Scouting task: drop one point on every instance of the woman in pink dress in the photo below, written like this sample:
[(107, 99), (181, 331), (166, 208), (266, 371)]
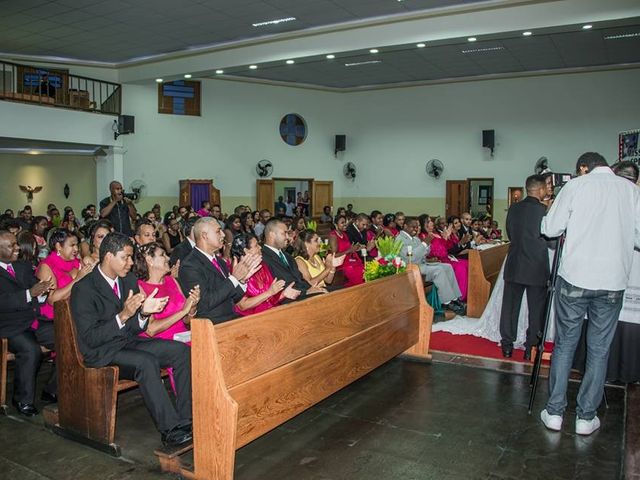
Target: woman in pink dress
[(153, 272), (389, 225), (439, 250), (339, 244), (64, 269), (263, 290)]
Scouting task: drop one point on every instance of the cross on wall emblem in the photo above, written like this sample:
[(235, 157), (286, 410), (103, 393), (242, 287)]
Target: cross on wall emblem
[(293, 129)]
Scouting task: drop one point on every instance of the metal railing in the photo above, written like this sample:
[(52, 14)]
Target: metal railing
[(58, 88)]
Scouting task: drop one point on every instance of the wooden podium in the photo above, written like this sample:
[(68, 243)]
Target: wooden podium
[(188, 187)]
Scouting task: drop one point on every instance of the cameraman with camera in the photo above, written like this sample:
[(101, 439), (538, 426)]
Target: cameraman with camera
[(599, 213), (118, 209)]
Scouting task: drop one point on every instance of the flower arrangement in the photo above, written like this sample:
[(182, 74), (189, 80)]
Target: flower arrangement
[(312, 225), (388, 262)]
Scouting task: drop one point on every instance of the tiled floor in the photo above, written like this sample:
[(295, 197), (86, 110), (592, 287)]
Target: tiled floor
[(405, 421)]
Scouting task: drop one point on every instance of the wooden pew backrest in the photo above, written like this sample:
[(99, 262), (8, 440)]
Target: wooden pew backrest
[(484, 267)]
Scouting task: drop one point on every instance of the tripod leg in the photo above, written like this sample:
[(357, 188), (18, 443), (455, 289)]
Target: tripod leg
[(604, 397)]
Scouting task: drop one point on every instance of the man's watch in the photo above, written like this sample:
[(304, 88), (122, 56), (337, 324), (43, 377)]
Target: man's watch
[(144, 317)]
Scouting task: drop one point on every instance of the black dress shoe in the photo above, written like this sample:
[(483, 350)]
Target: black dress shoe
[(26, 409), (177, 436), (49, 397), (455, 308), (507, 351)]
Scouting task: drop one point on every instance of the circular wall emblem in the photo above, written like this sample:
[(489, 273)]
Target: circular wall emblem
[(293, 129)]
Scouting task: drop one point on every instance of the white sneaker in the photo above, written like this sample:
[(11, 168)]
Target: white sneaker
[(552, 422), (587, 427)]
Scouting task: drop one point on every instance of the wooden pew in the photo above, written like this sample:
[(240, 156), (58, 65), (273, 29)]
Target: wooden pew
[(87, 397), (252, 374), (484, 267), (5, 357)]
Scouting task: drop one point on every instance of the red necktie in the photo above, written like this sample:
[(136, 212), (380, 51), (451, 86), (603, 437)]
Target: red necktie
[(115, 289), (214, 260), (11, 271)]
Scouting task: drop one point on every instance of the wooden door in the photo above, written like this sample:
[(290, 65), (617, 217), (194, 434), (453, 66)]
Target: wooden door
[(265, 195), (457, 199), (321, 195)]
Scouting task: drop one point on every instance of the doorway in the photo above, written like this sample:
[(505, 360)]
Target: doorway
[(312, 194), (474, 195)]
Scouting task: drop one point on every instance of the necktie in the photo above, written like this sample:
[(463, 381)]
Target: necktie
[(11, 271), (214, 260), (115, 289), (283, 259)]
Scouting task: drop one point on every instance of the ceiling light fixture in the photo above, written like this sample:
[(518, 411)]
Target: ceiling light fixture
[(374, 50), (362, 63), (219, 72), (187, 75), (487, 49), (587, 27), (253, 67), (290, 62), (421, 45), (527, 34), (471, 39), (331, 56), (622, 35), (274, 22), (159, 80)]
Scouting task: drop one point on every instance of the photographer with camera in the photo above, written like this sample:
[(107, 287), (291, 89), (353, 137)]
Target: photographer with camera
[(599, 214), (118, 209)]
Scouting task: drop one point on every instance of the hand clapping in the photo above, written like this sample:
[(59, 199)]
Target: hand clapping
[(247, 266), (41, 288)]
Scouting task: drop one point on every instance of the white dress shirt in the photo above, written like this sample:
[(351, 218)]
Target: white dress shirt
[(111, 283), (600, 213), (41, 298)]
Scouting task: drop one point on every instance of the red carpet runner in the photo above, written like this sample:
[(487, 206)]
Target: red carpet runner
[(474, 346)]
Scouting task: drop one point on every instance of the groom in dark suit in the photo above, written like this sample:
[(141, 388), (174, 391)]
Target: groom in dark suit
[(19, 292), (526, 268), (110, 312), (219, 289)]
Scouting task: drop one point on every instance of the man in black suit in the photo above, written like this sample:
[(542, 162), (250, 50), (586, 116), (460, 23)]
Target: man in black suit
[(357, 232), (526, 268), (184, 247), (219, 290), (19, 292), (282, 265), (110, 312)]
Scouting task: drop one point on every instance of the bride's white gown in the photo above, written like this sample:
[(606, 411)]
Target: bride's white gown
[(488, 325)]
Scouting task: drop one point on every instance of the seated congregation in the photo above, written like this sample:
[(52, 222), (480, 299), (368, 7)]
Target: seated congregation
[(135, 282)]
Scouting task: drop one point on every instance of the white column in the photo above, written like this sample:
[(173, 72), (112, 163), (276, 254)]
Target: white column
[(108, 168)]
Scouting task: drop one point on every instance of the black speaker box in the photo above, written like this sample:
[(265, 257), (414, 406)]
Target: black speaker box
[(341, 143), (489, 139), (126, 124)]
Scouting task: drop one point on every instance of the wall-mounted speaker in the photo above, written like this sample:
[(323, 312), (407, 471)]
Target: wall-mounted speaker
[(126, 124), (489, 139), (341, 143)]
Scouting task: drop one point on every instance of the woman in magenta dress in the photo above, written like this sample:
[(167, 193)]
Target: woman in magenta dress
[(389, 225), (63, 268), (439, 250), (263, 290), (153, 272), (353, 266)]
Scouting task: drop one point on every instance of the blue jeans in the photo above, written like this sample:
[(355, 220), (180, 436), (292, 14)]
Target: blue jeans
[(602, 308)]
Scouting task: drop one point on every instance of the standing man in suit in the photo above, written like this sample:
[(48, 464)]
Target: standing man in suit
[(281, 264), (184, 247), (19, 292), (219, 289), (526, 268), (110, 312)]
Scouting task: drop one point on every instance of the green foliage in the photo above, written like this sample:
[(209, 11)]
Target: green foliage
[(388, 247)]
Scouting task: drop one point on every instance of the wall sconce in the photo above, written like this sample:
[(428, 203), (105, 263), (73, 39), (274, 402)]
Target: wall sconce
[(66, 190)]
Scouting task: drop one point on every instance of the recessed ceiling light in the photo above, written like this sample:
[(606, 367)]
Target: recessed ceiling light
[(219, 72), (421, 45), (527, 34), (471, 39), (253, 67), (33, 152), (374, 50), (274, 22), (290, 62), (487, 49), (159, 80), (587, 27), (187, 75), (331, 56)]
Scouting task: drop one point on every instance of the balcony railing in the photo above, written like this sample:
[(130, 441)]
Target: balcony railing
[(58, 88)]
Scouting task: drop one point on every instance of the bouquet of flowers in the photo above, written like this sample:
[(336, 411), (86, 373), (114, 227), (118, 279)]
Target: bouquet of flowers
[(388, 262)]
